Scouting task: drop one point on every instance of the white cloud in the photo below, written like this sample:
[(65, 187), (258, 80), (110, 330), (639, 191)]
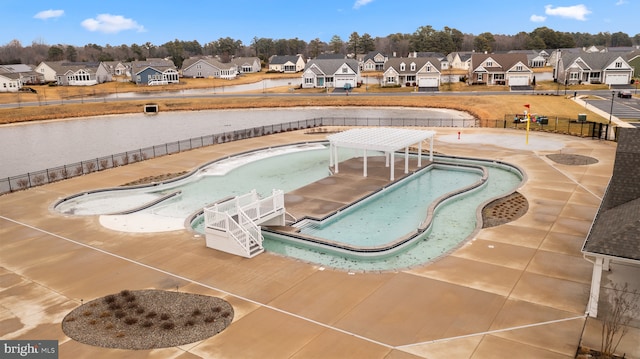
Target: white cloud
[(48, 14), (577, 12), (622, 2), (537, 18), (111, 24), (360, 3)]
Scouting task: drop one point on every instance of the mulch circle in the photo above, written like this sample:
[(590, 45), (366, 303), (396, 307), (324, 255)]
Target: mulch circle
[(572, 160), (504, 210), (147, 319)]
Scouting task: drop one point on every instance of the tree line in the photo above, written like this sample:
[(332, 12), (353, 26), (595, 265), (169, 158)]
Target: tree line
[(424, 39)]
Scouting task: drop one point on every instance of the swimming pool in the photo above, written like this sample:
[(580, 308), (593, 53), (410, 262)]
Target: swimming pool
[(164, 206)]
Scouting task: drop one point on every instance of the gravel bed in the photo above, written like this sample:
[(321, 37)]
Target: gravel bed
[(147, 319), (572, 160)]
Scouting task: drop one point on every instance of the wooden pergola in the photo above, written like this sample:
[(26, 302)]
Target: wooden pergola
[(383, 139)]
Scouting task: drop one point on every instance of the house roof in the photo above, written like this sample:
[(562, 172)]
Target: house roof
[(210, 60), (245, 60), (371, 55), (331, 66), (63, 67), (283, 59), (595, 60), (17, 68), (505, 61), (616, 230), (330, 57), (10, 75), (156, 63), (419, 61)]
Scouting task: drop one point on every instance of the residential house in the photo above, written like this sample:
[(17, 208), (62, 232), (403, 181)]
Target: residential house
[(247, 65), (209, 67), (613, 241), (633, 59), (10, 82), (500, 69), (117, 68), (460, 60), (66, 73), (154, 71), (373, 61), (421, 72), (27, 74), (593, 68), (286, 64), (331, 73), (535, 58)]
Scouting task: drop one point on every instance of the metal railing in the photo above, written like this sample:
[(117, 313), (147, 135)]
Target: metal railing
[(559, 125), (50, 175)]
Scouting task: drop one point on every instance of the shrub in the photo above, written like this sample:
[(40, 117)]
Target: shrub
[(120, 314), (151, 315), (110, 298), (130, 320), (105, 314), (164, 316), (168, 325), (210, 319), (87, 313), (196, 312), (189, 323), (114, 306), (147, 324), (140, 310), (125, 293)]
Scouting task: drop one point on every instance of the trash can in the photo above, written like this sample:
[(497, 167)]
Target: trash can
[(543, 120)]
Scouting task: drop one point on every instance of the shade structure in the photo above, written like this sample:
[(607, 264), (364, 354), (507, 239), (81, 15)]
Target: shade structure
[(383, 139)]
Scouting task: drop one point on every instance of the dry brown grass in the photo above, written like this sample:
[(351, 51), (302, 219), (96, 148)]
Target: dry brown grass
[(485, 107)]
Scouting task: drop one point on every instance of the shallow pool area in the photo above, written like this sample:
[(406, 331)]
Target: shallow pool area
[(399, 211)]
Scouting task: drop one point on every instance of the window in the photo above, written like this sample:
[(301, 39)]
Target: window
[(480, 77), (402, 66), (345, 70), (498, 76), (411, 78), (391, 80), (618, 65), (329, 79), (308, 80), (489, 63), (519, 68), (574, 76), (428, 68), (413, 67)]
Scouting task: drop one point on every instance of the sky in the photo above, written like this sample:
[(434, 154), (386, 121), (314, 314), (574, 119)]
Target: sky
[(117, 22)]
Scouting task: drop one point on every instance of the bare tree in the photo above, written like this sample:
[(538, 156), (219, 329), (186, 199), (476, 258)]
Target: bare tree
[(624, 304)]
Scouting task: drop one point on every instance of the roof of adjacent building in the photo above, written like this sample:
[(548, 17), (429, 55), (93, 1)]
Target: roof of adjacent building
[(595, 60), (156, 63), (283, 59), (616, 230), (331, 66), (506, 61), (210, 60), (419, 61)]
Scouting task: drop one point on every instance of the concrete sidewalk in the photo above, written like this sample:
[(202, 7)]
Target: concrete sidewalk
[(514, 291)]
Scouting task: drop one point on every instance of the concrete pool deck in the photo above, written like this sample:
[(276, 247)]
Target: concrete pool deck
[(516, 290)]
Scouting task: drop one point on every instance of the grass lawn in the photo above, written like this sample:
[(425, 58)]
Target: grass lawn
[(485, 107)]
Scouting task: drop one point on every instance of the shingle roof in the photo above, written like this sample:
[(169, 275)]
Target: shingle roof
[(506, 61), (283, 59), (616, 230), (419, 61), (331, 66), (595, 60), (210, 60)]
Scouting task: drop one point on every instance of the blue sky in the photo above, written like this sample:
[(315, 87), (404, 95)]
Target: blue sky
[(117, 22)]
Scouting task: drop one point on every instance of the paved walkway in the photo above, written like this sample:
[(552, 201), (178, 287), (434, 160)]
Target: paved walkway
[(514, 291)]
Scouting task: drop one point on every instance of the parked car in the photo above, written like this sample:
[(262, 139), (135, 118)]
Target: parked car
[(624, 94)]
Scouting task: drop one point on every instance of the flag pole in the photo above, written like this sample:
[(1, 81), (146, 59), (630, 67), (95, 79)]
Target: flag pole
[(528, 123)]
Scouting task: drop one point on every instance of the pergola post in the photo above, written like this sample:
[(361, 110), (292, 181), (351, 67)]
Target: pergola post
[(420, 154), (364, 169), (406, 160)]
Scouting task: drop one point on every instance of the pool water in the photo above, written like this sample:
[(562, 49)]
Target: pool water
[(454, 221), (378, 220)]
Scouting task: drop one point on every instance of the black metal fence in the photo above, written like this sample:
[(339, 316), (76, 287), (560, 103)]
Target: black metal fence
[(55, 174), (560, 125)]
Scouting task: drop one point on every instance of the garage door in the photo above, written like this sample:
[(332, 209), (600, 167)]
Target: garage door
[(518, 80), (340, 82), (427, 82), (617, 79)]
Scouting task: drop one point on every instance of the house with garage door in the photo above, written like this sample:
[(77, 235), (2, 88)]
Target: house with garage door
[(609, 68), (421, 72), (500, 69), (331, 73)]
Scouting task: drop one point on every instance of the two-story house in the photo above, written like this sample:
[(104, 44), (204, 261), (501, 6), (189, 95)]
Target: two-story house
[(66, 73), (373, 61)]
